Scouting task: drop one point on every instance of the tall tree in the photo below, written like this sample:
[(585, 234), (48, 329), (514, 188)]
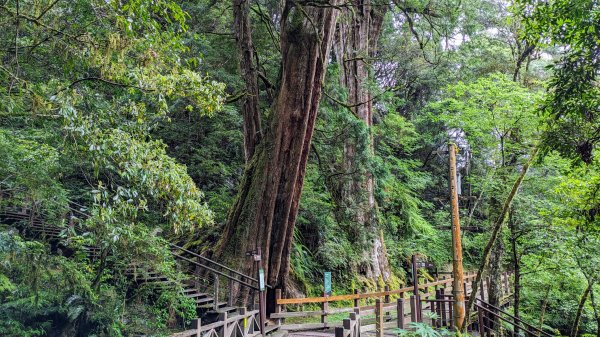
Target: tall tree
[(354, 47), (265, 210)]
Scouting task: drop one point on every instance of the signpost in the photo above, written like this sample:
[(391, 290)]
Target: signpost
[(262, 307), (327, 283), (457, 265)]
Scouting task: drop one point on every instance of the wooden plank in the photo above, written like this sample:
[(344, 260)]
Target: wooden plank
[(187, 333), (307, 326), (370, 327)]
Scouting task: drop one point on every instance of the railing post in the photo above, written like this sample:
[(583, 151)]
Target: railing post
[(432, 309), (346, 324), (443, 311), (216, 291), (480, 323), (324, 308), (400, 312), (242, 314), (230, 293), (278, 306), (356, 300), (225, 330), (415, 272), (354, 316), (487, 319), (413, 309), (379, 318), (438, 307), (419, 308), (262, 305), (197, 324)]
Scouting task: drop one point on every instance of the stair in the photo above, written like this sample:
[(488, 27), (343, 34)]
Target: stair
[(208, 311)]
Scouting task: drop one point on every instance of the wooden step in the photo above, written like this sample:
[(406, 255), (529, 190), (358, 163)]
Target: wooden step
[(195, 295), (202, 302), (226, 309)]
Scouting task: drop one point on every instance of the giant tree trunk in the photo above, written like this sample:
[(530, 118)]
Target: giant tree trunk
[(248, 72), (266, 207), (358, 30)]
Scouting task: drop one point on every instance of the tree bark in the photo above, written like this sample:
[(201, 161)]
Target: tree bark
[(264, 213), (584, 296), (543, 311), (517, 273), (249, 73), (495, 277), (355, 43), (596, 313)]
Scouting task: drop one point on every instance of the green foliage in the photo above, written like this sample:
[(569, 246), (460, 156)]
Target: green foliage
[(79, 103), (573, 91)]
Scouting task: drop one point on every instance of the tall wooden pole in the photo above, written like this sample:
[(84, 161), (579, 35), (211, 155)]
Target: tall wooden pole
[(457, 265)]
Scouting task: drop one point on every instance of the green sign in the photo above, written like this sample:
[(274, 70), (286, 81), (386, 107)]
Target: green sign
[(327, 283), (261, 279)]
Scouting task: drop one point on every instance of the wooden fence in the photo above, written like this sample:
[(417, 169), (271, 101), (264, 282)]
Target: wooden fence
[(380, 314), (243, 324)]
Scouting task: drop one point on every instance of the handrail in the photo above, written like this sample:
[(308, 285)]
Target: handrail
[(213, 262), (217, 272), (335, 298), (513, 317), (525, 324), (218, 264)]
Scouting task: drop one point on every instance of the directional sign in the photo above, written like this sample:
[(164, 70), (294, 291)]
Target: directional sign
[(327, 283)]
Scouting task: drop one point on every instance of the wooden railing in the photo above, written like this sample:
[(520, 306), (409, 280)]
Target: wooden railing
[(243, 324), (380, 313)]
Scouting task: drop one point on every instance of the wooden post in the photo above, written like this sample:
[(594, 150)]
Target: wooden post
[(278, 306), (432, 309), (379, 318), (415, 272), (480, 323), (457, 264), (443, 313), (242, 314), (339, 331), (355, 317), (438, 307), (356, 300), (225, 330), (197, 324), (413, 309), (262, 303), (400, 312), (216, 291), (324, 308), (230, 293)]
